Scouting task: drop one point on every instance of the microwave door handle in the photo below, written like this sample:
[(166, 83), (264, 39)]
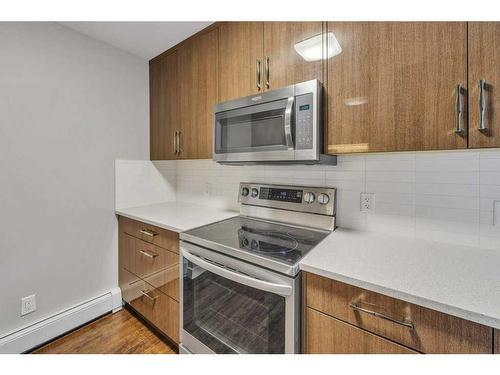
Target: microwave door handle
[(280, 289), (288, 123)]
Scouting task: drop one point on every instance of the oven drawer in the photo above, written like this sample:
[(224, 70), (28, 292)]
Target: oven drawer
[(158, 236), (432, 332), (158, 308), (327, 335)]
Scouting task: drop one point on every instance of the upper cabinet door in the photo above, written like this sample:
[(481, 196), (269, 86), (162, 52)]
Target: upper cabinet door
[(198, 93), (393, 86), (164, 107), (241, 68), (293, 53), (484, 84)]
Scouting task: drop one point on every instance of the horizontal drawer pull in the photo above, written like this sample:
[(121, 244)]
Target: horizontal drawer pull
[(149, 254), (145, 293), (407, 322), (149, 233)]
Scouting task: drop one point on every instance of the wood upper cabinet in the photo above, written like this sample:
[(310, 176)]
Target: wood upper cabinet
[(240, 59), (164, 107), (285, 65), (197, 90), (393, 85), (484, 58)]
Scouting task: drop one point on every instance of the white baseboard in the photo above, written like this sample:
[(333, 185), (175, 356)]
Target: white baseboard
[(55, 325)]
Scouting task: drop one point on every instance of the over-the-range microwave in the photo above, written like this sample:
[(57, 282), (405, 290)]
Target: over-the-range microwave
[(278, 126)]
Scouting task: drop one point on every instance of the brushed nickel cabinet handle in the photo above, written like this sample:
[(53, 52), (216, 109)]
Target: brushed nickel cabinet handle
[(407, 322), (257, 74), (458, 109), (149, 233), (482, 105), (267, 72), (175, 142), (145, 293), (149, 254), (180, 141)]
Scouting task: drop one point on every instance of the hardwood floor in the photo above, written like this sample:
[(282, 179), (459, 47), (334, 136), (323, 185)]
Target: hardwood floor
[(118, 333)]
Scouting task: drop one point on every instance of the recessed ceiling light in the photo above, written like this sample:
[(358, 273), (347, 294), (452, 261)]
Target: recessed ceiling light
[(311, 49)]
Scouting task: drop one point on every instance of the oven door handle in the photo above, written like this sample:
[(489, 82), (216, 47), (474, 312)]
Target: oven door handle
[(281, 289), (288, 123)]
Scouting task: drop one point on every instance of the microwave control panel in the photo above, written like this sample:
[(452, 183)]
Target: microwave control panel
[(304, 122)]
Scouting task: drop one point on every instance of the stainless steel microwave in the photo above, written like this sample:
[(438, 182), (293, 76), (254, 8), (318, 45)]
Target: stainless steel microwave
[(283, 125)]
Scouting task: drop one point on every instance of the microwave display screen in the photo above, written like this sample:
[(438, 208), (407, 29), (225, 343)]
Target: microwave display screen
[(283, 195), (304, 107)]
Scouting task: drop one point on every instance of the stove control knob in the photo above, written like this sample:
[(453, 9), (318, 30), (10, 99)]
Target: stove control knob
[(244, 191), (255, 192), (323, 198), (309, 197)]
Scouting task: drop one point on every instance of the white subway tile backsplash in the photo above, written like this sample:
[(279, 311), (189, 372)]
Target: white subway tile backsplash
[(443, 196)]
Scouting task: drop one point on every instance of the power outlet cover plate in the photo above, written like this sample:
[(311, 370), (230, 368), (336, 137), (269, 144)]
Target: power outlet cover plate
[(367, 202), (28, 304)]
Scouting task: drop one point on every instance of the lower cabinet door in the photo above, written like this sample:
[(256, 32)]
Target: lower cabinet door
[(497, 341), (158, 308), (327, 335)]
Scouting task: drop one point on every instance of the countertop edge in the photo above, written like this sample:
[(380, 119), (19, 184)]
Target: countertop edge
[(150, 222), (422, 301)]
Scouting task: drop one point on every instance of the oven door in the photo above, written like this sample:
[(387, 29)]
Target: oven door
[(229, 306), (257, 132)]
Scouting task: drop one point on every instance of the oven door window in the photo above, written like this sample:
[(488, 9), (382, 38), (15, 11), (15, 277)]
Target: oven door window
[(251, 129), (229, 317)]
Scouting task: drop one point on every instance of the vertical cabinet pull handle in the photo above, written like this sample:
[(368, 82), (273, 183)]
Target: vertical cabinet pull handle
[(180, 141), (267, 72), (482, 105), (257, 74), (175, 142), (458, 110)]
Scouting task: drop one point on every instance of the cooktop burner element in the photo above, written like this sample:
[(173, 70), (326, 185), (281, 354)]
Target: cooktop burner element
[(272, 241)]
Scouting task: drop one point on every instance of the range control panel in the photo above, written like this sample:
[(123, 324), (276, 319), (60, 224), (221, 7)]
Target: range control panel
[(318, 200)]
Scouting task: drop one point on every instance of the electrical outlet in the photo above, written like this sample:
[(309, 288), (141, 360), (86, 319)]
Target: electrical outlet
[(28, 304), (367, 202)]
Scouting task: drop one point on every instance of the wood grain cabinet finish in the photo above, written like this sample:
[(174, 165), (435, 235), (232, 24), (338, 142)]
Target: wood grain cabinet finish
[(433, 332), (149, 233), (286, 66), (393, 86), (155, 306), (497, 342), (484, 57), (327, 335), (149, 273), (164, 107), (240, 56), (197, 91)]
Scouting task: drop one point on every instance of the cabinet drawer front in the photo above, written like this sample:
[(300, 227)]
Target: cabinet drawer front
[(149, 233), (432, 332), (159, 309), (149, 259), (327, 335)]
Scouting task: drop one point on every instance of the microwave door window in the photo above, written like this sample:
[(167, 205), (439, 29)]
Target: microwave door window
[(262, 131)]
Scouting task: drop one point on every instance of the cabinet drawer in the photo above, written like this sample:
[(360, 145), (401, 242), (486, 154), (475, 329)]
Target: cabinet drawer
[(327, 335), (432, 332), (158, 236), (158, 308)]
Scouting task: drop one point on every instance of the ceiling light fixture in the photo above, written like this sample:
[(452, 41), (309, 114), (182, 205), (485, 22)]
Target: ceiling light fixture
[(311, 49)]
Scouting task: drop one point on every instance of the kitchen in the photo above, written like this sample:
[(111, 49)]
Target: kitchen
[(316, 187)]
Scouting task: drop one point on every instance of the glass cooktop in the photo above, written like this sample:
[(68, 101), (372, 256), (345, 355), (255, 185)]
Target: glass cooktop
[(256, 240)]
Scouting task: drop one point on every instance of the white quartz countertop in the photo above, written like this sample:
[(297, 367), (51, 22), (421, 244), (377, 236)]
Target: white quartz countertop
[(458, 280), (176, 216)]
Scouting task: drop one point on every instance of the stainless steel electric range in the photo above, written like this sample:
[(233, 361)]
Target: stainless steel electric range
[(240, 279)]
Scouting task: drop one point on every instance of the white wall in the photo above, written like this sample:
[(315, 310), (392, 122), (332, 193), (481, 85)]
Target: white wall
[(69, 106), (442, 196)]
